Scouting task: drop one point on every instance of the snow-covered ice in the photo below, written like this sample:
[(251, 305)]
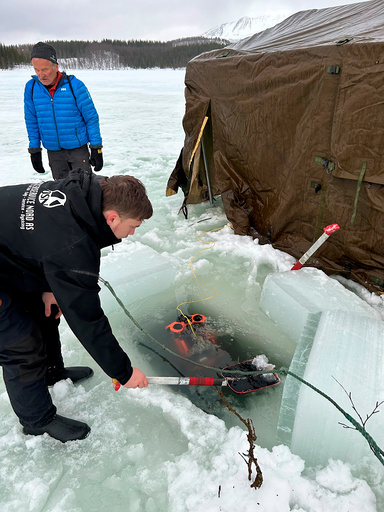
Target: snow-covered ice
[(289, 297), (163, 449)]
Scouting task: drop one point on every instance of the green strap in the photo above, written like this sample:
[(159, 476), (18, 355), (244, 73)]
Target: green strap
[(321, 213), (330, 166), (333, 70), (359, 181)]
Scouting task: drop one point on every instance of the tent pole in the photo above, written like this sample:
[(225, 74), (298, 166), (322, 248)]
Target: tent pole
[(206, 171)]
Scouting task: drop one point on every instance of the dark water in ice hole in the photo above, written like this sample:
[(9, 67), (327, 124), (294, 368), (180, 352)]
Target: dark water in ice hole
[(214, 347)]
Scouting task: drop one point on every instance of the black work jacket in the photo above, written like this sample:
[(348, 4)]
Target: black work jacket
[(51, 234)]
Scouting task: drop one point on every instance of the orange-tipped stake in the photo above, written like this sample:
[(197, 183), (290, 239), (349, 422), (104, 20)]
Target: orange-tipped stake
[(327, 233)]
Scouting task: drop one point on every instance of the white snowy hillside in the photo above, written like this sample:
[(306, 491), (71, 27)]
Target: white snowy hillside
[(244, 27)]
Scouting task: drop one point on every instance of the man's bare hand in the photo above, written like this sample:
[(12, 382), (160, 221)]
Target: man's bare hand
[(49, 300), (138, 380)]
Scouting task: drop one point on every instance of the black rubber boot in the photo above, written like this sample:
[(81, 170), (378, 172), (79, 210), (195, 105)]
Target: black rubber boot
[(61, 428), (75, 373)]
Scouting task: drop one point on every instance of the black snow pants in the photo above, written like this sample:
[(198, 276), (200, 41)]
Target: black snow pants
[(29, 348), (63, 161)]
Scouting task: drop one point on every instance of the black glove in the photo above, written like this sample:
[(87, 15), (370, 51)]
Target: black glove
[(36, 159), (96, 159)]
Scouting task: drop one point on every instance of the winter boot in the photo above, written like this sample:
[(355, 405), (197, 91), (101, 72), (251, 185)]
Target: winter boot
[(61, 428), (75, 373)]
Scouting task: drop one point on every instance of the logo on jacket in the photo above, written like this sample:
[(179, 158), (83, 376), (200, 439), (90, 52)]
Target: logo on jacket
[(52, 198)]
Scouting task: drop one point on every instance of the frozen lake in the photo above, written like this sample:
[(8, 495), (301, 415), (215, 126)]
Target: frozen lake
[(164, 449)]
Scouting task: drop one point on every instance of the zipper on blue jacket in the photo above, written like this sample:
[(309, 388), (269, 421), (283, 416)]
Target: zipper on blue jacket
[(54, 117), (77, 136)]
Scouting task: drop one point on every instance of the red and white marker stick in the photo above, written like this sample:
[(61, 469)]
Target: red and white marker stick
[(332, 228), (181, 381), (187, 381)]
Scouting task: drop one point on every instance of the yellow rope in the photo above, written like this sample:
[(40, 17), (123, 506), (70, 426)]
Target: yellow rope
[(197, 279)]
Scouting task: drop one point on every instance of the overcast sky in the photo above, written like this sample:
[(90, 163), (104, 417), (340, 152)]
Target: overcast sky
[(29, 21)]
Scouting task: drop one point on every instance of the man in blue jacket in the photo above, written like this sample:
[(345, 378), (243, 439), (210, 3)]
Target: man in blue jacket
[(59, 112), (51, 235)]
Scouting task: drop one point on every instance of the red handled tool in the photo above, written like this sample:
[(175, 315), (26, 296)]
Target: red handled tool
[(180, 381), (237, 383)]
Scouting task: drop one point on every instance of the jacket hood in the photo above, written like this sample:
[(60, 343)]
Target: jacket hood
[(85, 197)]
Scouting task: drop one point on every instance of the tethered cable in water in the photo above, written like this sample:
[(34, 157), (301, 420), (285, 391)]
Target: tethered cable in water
[(197, 279), (377, 451)]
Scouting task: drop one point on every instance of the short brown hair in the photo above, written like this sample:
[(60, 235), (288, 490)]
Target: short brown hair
[(127, 196)]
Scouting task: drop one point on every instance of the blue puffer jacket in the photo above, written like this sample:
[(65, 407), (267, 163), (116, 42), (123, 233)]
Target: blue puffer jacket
[(65, 121)]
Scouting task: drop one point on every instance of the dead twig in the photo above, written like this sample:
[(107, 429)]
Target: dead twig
[(362, 422), (249, 457)]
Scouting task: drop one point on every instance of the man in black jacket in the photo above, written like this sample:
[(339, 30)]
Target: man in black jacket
[(51, 234)]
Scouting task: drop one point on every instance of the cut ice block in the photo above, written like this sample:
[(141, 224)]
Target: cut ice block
[(336, 348), (289, 297), (292, 386), (135, 272)]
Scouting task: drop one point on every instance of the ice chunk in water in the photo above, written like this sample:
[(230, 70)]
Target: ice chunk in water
[(289, 297), (135, 271), (291, 385), (261, 362), (336, 348)]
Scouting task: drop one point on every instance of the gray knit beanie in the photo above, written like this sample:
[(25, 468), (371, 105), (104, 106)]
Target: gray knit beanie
[(44, 51)]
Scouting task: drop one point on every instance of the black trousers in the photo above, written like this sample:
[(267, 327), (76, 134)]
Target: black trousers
[(65, 160), (29, 347)]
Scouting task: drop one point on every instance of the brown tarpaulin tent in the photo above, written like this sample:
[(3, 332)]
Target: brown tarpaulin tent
[(294, 138)]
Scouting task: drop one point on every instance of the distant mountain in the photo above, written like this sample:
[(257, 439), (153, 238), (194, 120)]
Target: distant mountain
[(235, 30)]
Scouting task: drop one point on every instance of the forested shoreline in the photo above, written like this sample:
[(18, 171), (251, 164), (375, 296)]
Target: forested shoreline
[(115, 54)]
